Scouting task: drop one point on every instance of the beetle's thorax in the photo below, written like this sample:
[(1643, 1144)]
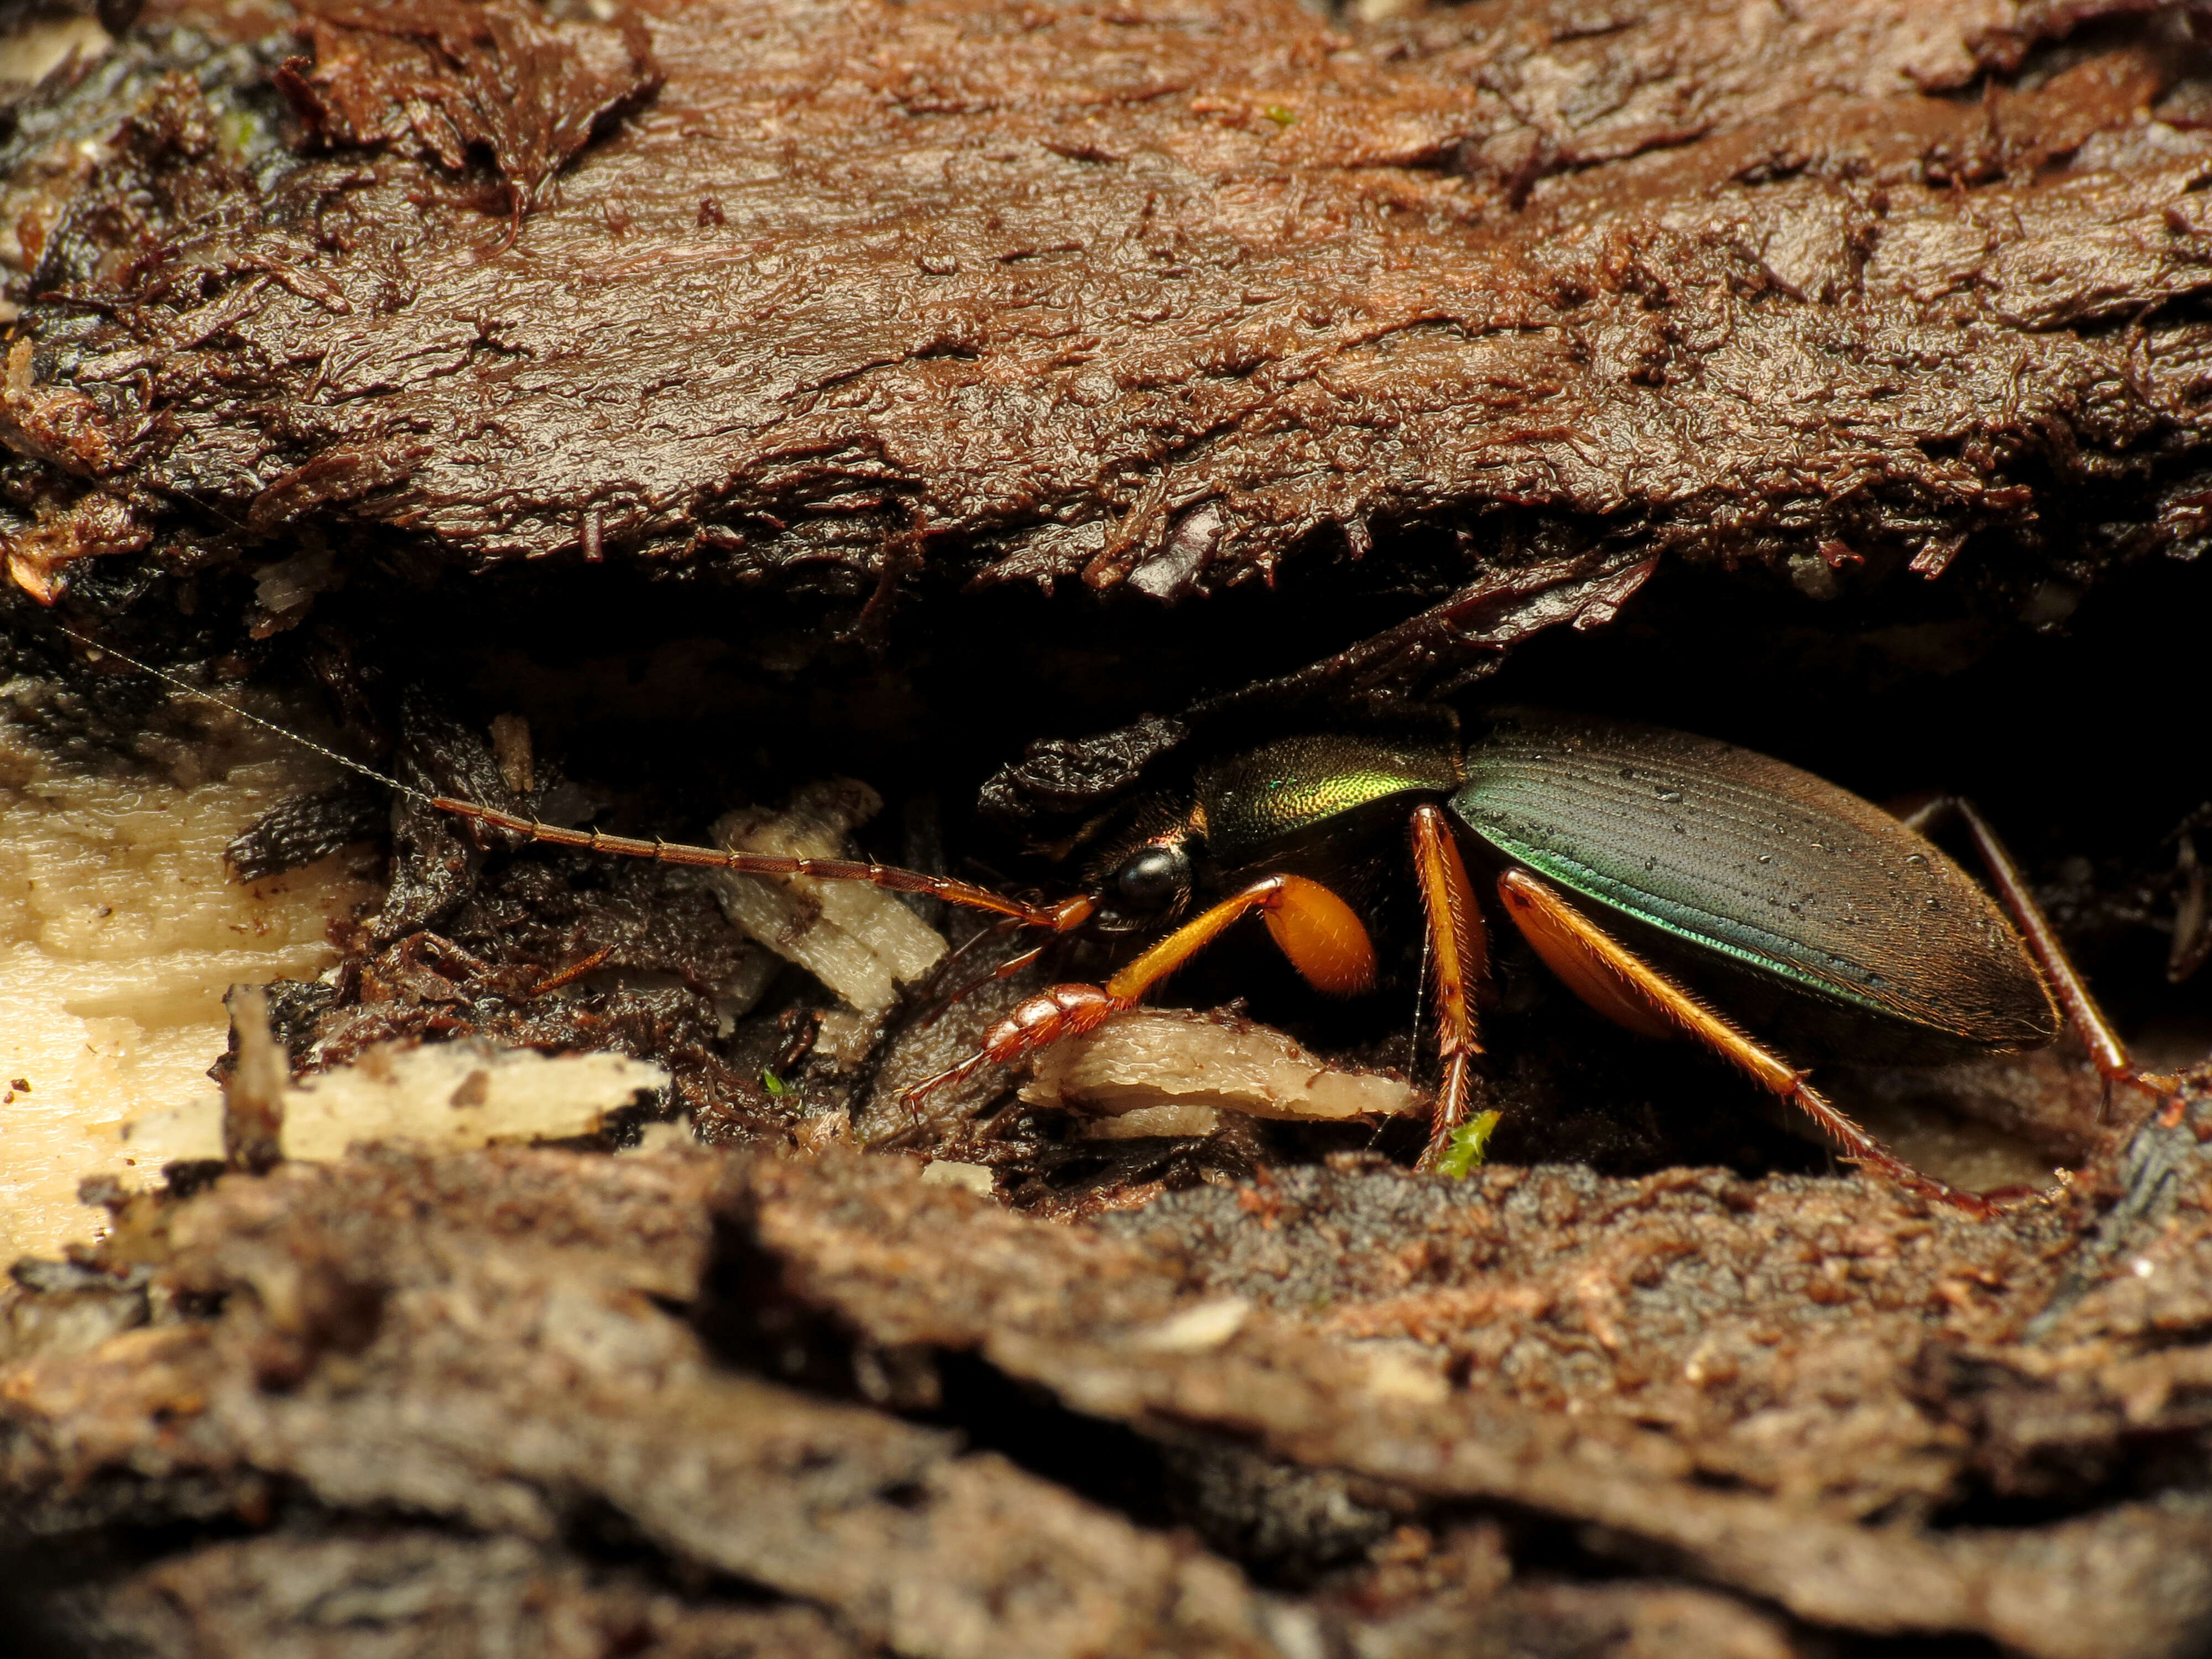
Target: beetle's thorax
[(1259, 798)]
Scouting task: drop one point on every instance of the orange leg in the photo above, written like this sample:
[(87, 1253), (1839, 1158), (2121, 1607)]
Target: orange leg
[(573, 972), (2107, 1052), (953, 959), (1317, 930), (1459, 957), (1006, 969), (1621, 985)]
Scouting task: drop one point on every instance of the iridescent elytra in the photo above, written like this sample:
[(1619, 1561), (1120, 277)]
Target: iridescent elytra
[(1612, 847)]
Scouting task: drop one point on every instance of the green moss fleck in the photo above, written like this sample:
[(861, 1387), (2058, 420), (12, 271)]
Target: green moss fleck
[(1470, 1142)]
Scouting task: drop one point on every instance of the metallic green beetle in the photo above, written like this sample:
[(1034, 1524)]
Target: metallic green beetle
[(1628, 856), (1613, 847)]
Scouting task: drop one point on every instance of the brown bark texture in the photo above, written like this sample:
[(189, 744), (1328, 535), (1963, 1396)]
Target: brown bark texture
[(848, 1393), (1162, 295)]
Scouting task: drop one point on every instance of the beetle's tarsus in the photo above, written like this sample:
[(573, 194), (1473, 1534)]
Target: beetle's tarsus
[(1453, 1090), (1065, 1010), (944, 1079), (1864, 1152)]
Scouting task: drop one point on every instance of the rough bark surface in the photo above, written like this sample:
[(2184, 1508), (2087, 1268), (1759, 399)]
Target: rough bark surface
[(1144, 293), (908, 1420)]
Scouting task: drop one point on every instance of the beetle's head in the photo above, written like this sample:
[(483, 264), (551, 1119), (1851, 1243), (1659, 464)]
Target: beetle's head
[(1153, 881), (1145, 874)]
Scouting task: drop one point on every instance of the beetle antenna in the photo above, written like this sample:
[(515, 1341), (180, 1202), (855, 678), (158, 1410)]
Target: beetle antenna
[(202, 694)]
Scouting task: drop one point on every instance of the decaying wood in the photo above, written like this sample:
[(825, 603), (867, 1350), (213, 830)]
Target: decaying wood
[(706, 1346)]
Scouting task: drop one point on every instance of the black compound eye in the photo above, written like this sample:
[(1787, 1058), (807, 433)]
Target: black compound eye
[(1153, 878)]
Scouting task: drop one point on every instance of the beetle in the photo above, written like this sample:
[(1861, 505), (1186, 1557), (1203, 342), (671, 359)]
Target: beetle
[(1633, 859)]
